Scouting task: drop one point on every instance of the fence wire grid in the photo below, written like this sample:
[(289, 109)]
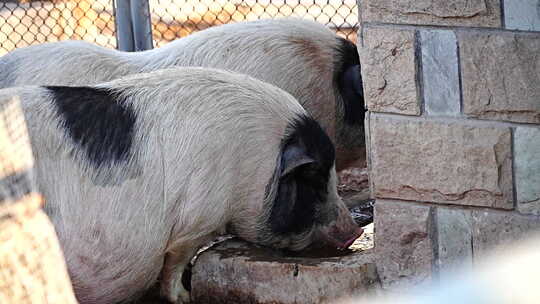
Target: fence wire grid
[(28, 22), (24, 23)]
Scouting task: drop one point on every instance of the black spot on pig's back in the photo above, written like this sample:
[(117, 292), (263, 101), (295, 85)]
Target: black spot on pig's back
[(98, 120)]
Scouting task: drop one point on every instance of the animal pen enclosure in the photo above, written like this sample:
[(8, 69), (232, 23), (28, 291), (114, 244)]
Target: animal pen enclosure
[(28, 22), (452, 93)]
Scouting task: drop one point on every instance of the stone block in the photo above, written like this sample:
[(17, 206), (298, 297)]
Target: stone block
[(32, 267), (389, 70), (440, 72), (403, 243), (454, 239), (492, 228), (522, 15), (441, 162), (527, 169), (477, 13), (500, 75), (236, 272)]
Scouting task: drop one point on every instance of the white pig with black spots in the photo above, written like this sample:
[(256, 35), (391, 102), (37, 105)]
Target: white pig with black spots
[(140, 172)]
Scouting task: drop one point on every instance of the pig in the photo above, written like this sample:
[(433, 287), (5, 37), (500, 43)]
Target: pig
[(140, 172), (306, 59)]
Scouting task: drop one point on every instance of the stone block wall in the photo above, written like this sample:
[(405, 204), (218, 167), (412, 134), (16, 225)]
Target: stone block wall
[(453, 94)]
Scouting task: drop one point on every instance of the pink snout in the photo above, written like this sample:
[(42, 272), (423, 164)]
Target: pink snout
[(357, 233), (341, 238), (343, 231)]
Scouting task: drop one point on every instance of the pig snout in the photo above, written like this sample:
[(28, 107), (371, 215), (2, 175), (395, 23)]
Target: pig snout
[(341, 232)]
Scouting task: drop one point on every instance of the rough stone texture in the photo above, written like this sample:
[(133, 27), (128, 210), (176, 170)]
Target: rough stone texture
[(389, 70), (415, 242), (442, 162), (32, 267), (480, 13), (235, 272), (353, 186), (527, 169), (522, 15), (464, 235), (500, 75), (440, 72), (493, 228), (454, 238), (403, 243)]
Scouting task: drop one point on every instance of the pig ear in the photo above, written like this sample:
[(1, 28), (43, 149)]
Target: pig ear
[(294, 155), (353, 95), (353, 80), (283, 217)]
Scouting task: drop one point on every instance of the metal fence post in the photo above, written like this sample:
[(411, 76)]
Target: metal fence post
[(142, 25), (124, 31)]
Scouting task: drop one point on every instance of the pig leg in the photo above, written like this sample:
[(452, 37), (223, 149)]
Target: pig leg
[(177, 259)]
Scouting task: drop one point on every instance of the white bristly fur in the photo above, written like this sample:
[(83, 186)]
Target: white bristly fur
[(297, 56)]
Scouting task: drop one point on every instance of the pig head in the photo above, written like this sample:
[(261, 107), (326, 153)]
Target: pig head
[(301, 205)]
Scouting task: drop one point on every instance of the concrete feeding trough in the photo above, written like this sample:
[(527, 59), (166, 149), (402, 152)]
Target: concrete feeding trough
[(234, 271), (237, 272)]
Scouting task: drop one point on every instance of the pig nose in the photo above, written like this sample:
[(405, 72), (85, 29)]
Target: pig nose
[(356, 234)]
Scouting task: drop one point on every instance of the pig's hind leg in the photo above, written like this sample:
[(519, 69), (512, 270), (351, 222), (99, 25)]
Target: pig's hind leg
[(177, 259)]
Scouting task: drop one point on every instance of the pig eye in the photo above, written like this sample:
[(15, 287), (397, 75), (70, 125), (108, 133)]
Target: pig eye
[(312, 179), (310, 171)]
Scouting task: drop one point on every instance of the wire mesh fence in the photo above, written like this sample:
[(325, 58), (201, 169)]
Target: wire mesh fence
[(24, 23), (27, 22), (173, 19)]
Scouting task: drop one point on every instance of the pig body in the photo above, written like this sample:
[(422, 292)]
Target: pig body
[(140, 172), (304, 58)]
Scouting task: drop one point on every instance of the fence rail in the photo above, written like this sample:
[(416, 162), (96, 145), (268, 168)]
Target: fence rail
[(106, 22)]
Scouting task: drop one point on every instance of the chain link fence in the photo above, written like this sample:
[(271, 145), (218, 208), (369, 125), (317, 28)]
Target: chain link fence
[(172, 19), (24, 23), (27, 22)]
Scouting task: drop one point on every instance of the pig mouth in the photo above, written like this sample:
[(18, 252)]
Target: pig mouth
[(342, 245), (349, 242)]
